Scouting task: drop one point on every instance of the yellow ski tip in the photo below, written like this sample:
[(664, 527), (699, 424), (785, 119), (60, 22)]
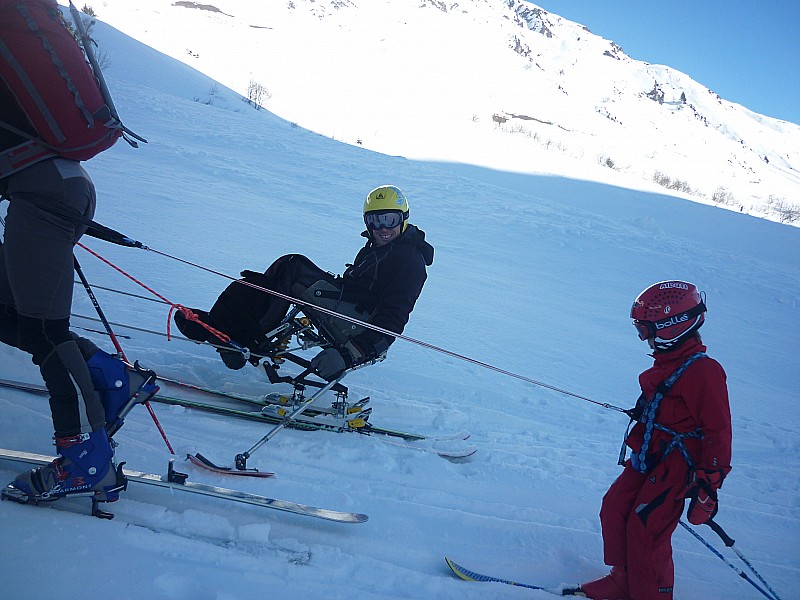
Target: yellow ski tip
[(456, 568)]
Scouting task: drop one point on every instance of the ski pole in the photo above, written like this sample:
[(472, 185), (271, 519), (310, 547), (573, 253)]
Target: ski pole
[(241, 459), (729, 543), (116, 343), (739, 572)]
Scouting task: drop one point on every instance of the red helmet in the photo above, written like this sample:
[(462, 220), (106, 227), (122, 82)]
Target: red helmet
[(669, 312)]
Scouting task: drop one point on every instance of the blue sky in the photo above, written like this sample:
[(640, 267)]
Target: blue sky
[(748, 52)]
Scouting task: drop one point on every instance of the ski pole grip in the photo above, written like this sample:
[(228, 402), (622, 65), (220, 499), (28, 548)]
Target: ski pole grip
[(726, 539)]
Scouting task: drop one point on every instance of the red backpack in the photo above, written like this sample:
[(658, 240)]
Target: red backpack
[(54, 102)]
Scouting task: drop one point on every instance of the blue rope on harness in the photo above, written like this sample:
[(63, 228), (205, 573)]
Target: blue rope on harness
[(639, 460), (677, 442)]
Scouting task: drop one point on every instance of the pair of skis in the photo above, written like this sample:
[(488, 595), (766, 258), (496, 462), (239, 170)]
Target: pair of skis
[(274, 409)]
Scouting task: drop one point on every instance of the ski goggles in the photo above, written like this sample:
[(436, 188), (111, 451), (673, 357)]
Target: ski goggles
[(648, 329), (383, 220), (643, 328)]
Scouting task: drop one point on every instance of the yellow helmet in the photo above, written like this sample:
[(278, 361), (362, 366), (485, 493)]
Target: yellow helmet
[(387, 198)]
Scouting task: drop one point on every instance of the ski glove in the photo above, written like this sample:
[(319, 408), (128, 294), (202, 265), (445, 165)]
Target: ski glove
[(329, 364), (233, 359), (703, 494)]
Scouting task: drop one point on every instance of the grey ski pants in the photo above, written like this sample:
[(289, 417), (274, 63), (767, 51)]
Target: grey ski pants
[(36, 282)]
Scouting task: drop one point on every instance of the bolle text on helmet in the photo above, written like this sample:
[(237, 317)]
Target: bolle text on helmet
[(673, 284), (673, 321)]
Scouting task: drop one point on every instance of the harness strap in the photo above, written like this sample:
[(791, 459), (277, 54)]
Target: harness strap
[(677, 442), (648, 419)]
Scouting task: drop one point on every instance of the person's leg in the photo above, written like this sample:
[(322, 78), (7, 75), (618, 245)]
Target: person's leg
[(651, 573), (39, 267), (38, 271), (247, 314), (617, 506), (74, 403), (8, 314), (9, 323)]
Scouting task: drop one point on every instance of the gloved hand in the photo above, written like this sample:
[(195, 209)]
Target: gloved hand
[(703, 493), (329, 364), (233, 359)]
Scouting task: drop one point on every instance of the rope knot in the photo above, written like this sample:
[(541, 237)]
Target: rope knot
[(192, 316)]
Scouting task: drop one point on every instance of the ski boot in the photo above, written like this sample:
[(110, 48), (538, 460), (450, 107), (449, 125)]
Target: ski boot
[(120, 388), (84, 467), (613, 586)]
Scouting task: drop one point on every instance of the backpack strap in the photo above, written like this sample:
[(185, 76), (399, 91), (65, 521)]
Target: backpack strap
[(86, 43), (645, 413)]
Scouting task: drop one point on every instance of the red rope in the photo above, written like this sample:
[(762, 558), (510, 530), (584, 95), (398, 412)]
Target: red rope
[(122, 354), (186, 312)]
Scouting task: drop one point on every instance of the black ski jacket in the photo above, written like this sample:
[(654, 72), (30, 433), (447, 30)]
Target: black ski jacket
[(388, 280)]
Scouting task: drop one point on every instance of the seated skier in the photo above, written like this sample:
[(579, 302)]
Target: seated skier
[(380, 287)]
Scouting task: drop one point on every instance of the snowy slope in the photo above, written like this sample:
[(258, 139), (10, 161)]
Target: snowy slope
[(533, 273), (427, 80)]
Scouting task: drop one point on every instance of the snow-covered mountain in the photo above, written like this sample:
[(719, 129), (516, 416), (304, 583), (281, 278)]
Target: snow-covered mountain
[(501, 83)]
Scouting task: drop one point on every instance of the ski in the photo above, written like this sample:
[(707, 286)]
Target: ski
[(351, 412), (270, 406), (451, 452), (177, 482), (275, 413), (311, 425), (340, 409), (467, 575), (434, 445), (24, 387), (320, 423)]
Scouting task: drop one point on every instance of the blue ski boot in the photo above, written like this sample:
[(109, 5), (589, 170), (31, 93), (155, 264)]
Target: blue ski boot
[(120, 388), (84, 467)]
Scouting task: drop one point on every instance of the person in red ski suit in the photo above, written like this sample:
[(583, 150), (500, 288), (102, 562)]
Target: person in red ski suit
[(684, 453)]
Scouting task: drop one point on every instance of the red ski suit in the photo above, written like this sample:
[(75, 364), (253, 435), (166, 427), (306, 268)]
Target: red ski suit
[(640, 511)]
